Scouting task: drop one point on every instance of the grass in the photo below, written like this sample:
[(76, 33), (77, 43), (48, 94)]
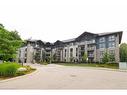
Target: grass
[(9, 70), (106, 65)]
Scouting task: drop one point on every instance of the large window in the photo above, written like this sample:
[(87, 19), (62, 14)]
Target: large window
[(65, 52), (111, 38), (83, 48), (102, 39), (76, 51), (111, 44), (102, 45), (71, 52)]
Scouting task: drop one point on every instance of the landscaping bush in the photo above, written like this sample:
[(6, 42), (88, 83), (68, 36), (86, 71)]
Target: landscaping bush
[(8, 69), (29, 69), (106, 65), (44, 63)]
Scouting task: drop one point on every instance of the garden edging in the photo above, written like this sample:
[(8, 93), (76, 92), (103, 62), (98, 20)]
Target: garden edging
[(18, 77)]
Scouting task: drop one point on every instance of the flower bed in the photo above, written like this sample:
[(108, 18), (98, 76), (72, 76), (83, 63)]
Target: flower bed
[(8, 70)]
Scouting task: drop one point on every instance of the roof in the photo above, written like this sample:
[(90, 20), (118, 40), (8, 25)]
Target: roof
[(98, 34), (69, 40), (31, 40), (108, 33), (74, 39)]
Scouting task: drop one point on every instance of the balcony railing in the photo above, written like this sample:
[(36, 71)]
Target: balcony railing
[(47, 48), (90, 48)]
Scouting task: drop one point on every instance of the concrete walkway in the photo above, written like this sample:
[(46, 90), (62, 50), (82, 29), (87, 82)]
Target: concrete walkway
[(66, 77)]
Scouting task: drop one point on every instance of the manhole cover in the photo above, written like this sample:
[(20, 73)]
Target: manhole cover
[(73, 75)]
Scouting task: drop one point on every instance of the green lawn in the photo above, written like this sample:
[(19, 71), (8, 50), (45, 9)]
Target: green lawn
[(107, 65)]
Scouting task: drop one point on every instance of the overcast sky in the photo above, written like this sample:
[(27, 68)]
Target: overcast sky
[(52, 20)]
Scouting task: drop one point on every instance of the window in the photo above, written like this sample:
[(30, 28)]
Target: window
[(71, 44), (65, 52), (75, 43), (76, 51), (25, 54), (102, 39), (91, 41), (82, 48), (111, 38), (71, 52), (111, 44), (102, 45)]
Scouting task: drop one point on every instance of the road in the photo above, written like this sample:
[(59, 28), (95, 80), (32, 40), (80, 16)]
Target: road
[(66, 77)]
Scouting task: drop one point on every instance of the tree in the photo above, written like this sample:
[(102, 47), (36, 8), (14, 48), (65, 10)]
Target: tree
[(123, 52), (54, 58), (85, 57), (1, 25), (9, 43), (106, 57), (37, 57), (71, 59), (111, 58)]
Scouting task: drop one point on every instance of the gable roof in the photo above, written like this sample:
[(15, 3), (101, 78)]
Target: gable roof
[(82, 35), (85, 34), (69, 40)]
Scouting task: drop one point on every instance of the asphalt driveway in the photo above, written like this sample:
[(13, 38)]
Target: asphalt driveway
[(66, 77)]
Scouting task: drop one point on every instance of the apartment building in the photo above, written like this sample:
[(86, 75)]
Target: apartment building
[(72, 50)]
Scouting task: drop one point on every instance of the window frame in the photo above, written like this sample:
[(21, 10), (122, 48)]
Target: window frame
[(111, 38), (101, 39), (102, 45), (111, 44)]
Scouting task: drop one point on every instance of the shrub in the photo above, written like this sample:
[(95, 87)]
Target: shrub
[(44, 63), (105, 58), (29, 69), (85, 57), (8, 69), (20, 73), (123, 52)]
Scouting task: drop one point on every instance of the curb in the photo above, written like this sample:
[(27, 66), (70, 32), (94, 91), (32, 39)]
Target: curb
[(98, 68), (18, 77)]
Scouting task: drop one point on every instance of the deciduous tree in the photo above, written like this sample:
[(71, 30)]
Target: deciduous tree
[(123, 52), (10, 41)]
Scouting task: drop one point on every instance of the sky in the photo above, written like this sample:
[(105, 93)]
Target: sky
[(51, 20)]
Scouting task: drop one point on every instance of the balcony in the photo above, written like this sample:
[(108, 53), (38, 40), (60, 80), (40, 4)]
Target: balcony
[(90, 48), (91, 42), (48, 48), (91, 55)]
